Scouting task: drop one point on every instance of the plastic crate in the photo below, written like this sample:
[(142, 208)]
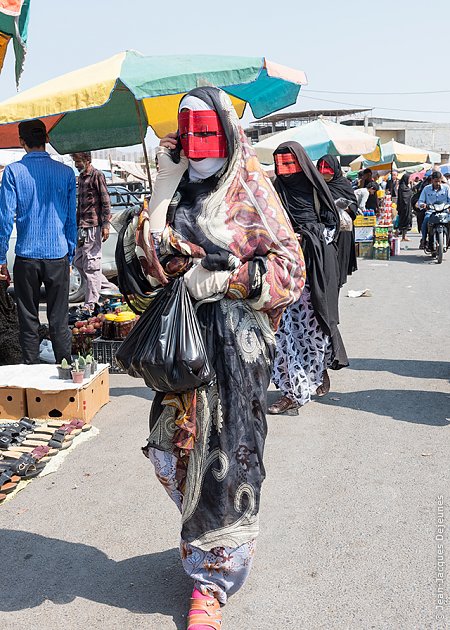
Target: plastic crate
[(104, 351), (365, 250), (361, 221), (82, 343)]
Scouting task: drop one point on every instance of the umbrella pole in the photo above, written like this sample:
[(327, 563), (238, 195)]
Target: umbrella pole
[(147, 165), (144, 147)]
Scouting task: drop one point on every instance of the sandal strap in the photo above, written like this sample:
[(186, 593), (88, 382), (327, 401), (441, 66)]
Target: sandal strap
[(201, 620), (210, 615), (209, 606)]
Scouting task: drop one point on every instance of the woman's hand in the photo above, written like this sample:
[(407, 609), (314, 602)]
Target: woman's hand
[(167, 168), (203, 284), (166, 183), (169, 141)]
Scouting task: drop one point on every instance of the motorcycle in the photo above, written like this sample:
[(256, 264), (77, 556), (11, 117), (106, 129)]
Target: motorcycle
[(438, 230)]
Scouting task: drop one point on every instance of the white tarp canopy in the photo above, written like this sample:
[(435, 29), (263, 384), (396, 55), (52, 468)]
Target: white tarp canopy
[(319, 138)]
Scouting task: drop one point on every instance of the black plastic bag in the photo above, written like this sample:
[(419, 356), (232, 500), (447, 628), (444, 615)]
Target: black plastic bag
[(166, 347)]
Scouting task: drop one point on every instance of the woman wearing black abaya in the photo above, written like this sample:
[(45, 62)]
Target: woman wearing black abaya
[(340, 188), (308, 339), (404, 206)]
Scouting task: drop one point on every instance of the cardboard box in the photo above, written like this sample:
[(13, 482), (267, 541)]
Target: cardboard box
[(13, 403), (82, 401)]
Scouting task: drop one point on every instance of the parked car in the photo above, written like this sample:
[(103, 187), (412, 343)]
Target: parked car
[(121, 199)]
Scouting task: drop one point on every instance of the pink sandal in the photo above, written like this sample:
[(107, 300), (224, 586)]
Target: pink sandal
[(204, 613)]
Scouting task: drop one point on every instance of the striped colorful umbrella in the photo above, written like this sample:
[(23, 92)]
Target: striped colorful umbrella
[(394, 152), (110, 104), (14, 16)]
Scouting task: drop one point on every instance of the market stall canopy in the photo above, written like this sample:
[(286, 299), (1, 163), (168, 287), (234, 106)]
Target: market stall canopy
[(398, 153), (132, 170), (110, 104), (319, 138), (14, 17)]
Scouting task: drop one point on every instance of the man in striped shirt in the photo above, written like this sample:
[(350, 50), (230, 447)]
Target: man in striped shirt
[(40, 194), (93, 216)]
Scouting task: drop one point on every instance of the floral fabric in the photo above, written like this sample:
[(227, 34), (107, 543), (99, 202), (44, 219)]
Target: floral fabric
[(222, 570)]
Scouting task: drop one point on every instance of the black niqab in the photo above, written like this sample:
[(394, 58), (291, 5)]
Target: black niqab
[(297, 191), (404, 204), (339, 186)]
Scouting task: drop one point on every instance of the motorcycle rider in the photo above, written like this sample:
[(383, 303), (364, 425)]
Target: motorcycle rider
[(435, 193)]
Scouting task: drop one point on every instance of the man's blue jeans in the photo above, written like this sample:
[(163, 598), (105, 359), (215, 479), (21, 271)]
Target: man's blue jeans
[(425, 226)]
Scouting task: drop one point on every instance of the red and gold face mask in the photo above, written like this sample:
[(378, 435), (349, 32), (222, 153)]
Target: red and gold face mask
[(286, 164), (202, 134), (325, 169)]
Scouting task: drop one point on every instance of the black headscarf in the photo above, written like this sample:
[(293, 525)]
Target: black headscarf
[(297, 191), (339, 186), (403, 186), (404, 203)]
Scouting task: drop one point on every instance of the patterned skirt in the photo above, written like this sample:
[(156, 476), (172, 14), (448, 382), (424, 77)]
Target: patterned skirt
[(303, 351), (207, 447)]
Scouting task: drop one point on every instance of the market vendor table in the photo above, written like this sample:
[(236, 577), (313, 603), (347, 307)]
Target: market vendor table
[(36, 391)]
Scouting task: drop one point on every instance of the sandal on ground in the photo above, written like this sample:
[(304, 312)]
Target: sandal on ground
[(285, 406), (14, 433), (67, 429), (8, 476), (323, 389), (58, 439), (42, 452), (25, 466), (34, 450), (207, 613), (7, 488), (78, 424), (24, 426)]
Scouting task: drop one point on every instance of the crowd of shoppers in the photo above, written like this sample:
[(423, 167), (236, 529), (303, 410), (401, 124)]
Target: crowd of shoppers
[(410, 195), (264, 262)]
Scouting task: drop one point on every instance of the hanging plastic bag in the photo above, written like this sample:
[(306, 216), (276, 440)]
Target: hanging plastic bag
[(166, 347), (346, 223)]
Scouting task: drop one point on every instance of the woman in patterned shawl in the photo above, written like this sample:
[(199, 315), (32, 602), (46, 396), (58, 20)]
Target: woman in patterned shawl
[(308, 339), (242, 264)]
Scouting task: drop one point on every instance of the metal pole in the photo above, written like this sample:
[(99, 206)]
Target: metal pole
[(111, 167), (142, 134)]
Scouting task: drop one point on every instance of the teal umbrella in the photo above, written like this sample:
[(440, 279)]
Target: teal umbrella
[(111, 103)]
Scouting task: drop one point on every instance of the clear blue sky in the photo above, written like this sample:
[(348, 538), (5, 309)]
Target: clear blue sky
[(384, 46)]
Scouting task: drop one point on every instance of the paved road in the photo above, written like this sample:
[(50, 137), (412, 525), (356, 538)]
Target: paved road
[(349, 510)]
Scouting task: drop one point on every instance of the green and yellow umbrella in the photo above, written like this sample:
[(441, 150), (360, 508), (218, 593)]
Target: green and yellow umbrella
[(111, 103), (14, 17)]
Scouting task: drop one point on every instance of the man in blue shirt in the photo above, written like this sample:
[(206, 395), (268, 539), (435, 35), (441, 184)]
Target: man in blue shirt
[(40, 194), (436, 192)]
